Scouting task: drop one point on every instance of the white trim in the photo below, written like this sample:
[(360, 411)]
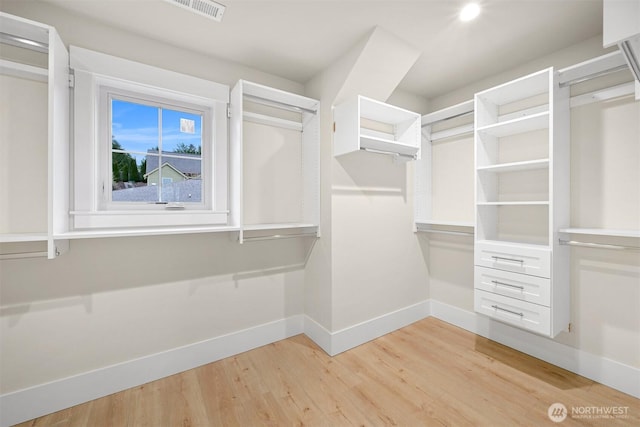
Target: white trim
[(613, 374), (352, 336), (318, 334), (96, 75), (33, 402), (358, 334), (132, 71)]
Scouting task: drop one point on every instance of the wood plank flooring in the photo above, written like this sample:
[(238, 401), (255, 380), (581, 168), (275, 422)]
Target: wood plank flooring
[(427, 374)]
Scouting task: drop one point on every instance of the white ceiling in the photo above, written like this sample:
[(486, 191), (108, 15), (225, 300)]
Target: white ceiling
[(296, 39)]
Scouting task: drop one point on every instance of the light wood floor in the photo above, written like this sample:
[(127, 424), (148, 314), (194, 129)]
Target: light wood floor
[(427, 374)]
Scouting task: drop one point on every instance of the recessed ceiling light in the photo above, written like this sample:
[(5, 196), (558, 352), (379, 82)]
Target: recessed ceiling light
[(469, 12)]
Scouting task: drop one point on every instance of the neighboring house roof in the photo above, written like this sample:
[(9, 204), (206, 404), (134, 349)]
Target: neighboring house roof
[(182, 191), (163, 165), (187, 164)]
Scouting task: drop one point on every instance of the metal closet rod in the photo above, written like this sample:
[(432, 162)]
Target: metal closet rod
[(278, 236), (594, 75), (24, 42), (455, 116), (18, 255), (373, 150), (278, 104), (454, 233), (597, 245)]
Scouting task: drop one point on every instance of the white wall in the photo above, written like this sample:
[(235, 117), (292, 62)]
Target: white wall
[(605, 193), (112, 300)]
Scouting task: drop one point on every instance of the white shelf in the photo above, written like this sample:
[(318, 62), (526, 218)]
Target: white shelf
[(263, 119), (277, 226), (516, 126), (16, 69), (23, 237), (522, 203), (447, 223), (513, 244), (515, 90), (399, 128), (516, 166), (602, 232), (382, 112), (278, 98), (156, 231), (387, 145)]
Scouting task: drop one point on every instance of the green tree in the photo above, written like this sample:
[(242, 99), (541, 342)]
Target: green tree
[(188, 149), (143, 169), (134, 173), (120, 163)]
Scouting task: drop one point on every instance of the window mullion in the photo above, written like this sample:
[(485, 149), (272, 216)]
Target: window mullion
[(160, 154)]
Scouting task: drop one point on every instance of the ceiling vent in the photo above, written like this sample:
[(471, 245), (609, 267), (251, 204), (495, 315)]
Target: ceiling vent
[(208, 8)]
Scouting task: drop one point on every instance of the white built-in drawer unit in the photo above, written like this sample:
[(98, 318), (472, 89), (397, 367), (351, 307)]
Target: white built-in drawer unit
[(520, 286), (520, 258), (526, 315), (521, 142)]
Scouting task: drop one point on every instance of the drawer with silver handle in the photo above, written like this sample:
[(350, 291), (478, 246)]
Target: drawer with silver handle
[(526, 315), (515, 285), (527, 259)]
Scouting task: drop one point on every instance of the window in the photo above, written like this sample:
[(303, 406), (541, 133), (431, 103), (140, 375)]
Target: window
[(150, 145), (156, 151)]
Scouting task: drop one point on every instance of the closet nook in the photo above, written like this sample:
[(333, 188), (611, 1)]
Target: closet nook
[(34, 143), (275, 162)]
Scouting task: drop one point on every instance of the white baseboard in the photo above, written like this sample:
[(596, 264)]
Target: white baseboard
[(318, 334), (361, 333), (336, 342), (33, 402), (600, 369)]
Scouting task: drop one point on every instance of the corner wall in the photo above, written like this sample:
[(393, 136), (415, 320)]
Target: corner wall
[(373, 262)]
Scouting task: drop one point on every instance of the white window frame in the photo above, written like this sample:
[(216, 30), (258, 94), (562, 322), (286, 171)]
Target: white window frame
[(151, 98), (94, 71)]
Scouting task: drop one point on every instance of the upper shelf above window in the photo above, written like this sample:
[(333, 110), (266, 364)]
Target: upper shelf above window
[(366, 124)]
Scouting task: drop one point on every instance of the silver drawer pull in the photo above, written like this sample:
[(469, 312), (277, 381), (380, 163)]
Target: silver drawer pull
[(508, 311), (495, 282), (498, 258)]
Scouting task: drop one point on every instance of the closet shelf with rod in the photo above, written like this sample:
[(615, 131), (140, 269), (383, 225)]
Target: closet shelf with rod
[(33, 210), (447, 125), (620, 237), (275, 138), (597, 245)]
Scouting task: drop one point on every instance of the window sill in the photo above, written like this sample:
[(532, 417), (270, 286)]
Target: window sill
[(150, 231), (148, 219)]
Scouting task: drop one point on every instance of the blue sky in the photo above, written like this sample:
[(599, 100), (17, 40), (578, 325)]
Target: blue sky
[(135, 127)]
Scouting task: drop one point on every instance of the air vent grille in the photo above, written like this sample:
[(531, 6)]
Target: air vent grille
[(208, 8)]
